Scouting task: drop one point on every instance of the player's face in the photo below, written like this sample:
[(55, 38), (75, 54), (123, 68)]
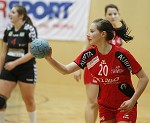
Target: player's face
[(93, 35), (14, 17), (112, 15)]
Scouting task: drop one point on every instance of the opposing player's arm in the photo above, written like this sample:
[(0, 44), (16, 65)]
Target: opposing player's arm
[(64, 69), (11, 65), (24, 59)]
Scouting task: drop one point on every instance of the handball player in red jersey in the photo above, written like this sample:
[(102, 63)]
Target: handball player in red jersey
[(111, 67), (91, 110)]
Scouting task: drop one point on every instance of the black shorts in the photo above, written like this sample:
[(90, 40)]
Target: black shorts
[(24, 73)]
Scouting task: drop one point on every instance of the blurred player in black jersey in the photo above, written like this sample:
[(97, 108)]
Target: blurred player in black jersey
[(17, 66)]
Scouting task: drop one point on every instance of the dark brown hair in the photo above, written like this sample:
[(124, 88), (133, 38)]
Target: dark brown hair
[(110, 6), (22, 11), (105, 25)]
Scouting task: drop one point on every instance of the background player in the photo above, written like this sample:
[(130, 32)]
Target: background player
[(17, 66)]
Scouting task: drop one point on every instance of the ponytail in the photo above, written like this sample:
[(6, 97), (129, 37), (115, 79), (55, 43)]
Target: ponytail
[(28, 20), (123, 32)]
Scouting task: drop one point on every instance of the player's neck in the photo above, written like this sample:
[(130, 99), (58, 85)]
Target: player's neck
[(104, 48), (18, 25)]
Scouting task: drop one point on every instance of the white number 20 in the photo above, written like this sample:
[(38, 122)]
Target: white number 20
[(103, 70)]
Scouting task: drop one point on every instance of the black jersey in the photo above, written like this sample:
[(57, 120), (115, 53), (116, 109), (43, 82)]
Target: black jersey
[(18, 40)]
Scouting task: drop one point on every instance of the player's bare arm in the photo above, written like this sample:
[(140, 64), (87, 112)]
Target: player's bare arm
[(142, 83), (64, 69)]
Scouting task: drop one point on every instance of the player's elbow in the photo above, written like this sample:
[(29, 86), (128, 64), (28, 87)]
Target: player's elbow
[(66, 71), (64, 74), (147, 79)]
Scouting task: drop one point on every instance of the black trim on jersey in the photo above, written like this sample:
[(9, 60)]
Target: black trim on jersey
[(124, 60), (85, 56), (126, 89)]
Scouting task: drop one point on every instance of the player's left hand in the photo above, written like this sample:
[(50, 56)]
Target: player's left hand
[(126, 106), (77, 75)]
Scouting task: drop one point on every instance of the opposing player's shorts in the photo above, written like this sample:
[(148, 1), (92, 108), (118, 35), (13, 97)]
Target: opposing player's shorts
[(87, 76), (23, 73), (110, 114)]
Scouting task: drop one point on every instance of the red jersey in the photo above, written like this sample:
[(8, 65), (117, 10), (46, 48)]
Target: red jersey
[(87, 76), (116, 41), (110, 71)]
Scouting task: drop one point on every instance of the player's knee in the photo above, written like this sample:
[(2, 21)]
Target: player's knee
[(92, 104), (3, 100)]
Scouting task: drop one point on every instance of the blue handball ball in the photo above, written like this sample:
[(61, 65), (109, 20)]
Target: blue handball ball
[(39, 48)]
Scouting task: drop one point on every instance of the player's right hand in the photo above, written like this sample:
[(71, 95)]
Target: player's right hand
[(50, 54)]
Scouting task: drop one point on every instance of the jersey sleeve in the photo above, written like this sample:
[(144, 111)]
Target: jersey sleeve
[(80, 61), (136, 67), (128, 61), (84, 57), (32, 32), (7, 32), (5, 35)]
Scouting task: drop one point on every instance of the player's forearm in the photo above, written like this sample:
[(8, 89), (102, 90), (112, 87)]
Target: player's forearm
[(24, 59), (2, 59), (57, 65), (142, 83)]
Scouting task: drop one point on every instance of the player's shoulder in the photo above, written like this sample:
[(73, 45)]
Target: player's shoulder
[(28, 26), (121, 49), (9, 27), (92, 49), (88, 53), (121, 52)]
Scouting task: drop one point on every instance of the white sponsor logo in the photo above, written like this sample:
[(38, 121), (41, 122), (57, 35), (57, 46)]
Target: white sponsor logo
[(29, 79), (92, 62), (22, 34), (125, 61), (10, 33), (85, 57), (102, 118), (117, 70), (106, 80), (126, 116)]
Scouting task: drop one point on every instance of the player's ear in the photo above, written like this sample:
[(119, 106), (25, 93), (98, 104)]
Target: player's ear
[(21, 17), (103, 34)]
